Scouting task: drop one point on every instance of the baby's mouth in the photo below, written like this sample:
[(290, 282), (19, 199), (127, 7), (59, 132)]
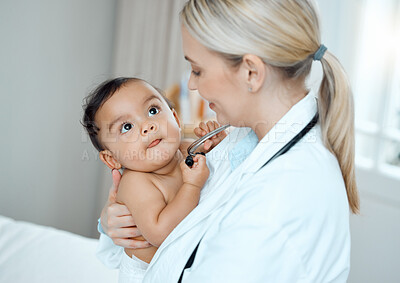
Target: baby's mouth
[(154, 143)]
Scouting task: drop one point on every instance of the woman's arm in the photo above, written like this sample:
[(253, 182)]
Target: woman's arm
[(154, 217)]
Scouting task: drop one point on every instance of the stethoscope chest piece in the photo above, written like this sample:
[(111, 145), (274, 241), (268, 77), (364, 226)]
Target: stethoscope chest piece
[(189, 160)]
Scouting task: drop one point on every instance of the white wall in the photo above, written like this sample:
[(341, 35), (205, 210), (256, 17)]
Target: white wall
[(51, 54), (375, 232)]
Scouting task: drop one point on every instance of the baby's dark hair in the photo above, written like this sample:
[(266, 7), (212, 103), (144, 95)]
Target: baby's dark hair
[(98, 97)]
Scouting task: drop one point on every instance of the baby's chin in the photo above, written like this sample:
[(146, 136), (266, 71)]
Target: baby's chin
[(150, 161)]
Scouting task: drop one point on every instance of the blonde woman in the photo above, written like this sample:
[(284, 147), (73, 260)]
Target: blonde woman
[(276, 206)]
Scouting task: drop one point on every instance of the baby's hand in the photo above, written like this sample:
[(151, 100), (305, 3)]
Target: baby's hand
[(205, 128), (198, 174)]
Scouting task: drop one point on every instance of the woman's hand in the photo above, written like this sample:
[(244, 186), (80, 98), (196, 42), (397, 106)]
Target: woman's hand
[(205, 128), (117, 222)]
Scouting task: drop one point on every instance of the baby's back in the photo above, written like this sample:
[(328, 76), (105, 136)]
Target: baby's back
[(167, 185)]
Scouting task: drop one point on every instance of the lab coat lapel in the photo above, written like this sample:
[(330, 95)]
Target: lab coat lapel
[(286, 129)]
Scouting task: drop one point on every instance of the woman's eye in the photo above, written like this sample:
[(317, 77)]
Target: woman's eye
[(126, 127), (153, 111), (196, 74)]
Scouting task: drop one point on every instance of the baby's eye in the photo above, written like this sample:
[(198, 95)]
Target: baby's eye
[(153, 111), (126, 127)]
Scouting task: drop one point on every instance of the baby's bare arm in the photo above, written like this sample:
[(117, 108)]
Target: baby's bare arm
[(154, 218)]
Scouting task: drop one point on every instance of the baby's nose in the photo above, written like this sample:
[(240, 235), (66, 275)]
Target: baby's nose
[(147, 128)]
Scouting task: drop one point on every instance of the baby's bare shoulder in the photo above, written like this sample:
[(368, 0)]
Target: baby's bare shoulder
[(134, 179), (133, 183)]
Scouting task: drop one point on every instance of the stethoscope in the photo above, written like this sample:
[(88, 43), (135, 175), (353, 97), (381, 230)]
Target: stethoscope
[(191, 149)]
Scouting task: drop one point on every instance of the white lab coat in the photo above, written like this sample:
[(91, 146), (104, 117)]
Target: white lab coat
[(287, 222)]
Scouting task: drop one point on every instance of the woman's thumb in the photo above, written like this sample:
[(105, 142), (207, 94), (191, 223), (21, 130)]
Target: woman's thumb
[(116, 176)]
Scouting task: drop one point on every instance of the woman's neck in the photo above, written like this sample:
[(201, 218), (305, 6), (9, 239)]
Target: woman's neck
[(271, 106)]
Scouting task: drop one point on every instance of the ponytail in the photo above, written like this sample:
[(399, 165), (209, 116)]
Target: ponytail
[(336, 111)]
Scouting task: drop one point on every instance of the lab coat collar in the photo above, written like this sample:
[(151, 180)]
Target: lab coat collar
[(287, 128)]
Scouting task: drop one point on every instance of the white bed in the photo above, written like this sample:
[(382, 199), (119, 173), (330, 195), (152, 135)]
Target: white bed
[(34, 253)]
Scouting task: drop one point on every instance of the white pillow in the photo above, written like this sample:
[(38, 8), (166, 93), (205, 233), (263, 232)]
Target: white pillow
[(34, 253)]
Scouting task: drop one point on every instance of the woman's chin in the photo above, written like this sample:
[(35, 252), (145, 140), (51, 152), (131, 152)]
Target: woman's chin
[(221, 119)]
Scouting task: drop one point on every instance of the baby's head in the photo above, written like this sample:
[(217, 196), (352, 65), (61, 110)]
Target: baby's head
[(132, 125)]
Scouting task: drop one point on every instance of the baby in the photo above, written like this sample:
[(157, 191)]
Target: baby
[(134, 127)]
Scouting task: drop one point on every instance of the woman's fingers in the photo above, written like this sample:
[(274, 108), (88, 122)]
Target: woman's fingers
[(117, 210), (124, 233), (112, 195), (116, 178), (131, 244), (119, 216), (127, 221)]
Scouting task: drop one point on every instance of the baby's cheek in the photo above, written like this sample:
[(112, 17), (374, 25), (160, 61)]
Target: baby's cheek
[(166, 156), (173, 135)]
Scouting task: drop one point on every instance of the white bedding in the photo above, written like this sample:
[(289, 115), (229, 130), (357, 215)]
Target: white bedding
[(34, 253)]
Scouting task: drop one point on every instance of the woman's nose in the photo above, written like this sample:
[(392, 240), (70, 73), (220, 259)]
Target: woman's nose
[(148, 128)]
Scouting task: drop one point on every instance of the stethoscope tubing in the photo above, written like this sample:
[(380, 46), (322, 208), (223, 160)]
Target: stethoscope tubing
[(192, 148)]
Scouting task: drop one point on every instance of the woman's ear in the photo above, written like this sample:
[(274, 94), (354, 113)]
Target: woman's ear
[(255, 72), (176, 117), (108, 159)]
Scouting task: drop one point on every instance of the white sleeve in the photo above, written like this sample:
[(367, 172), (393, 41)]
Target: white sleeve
[(109, 253)]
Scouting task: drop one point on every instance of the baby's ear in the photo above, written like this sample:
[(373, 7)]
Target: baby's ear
[(176, 117), (108, 159)]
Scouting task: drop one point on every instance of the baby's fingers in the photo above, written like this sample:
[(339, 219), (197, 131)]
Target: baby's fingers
[(211, 126), (208, 144), (203, 126), (199, 132), (199, 159)]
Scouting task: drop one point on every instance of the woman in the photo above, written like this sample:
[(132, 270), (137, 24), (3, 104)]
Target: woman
[(262, 216)]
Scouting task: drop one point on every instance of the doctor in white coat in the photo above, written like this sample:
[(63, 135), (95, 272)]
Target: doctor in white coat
[(262, 216)]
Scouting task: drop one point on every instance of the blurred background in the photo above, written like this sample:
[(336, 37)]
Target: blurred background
[(53, 53)]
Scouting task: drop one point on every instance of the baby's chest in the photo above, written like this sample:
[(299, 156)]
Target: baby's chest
[(169, 187)]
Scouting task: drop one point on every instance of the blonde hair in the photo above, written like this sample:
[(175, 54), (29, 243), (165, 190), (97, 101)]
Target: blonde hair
[(285, 34)]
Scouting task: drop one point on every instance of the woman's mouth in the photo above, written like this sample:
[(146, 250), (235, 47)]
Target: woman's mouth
[(154, 143)]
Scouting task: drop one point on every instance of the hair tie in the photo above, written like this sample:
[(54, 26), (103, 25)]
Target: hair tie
[(320, 53)]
